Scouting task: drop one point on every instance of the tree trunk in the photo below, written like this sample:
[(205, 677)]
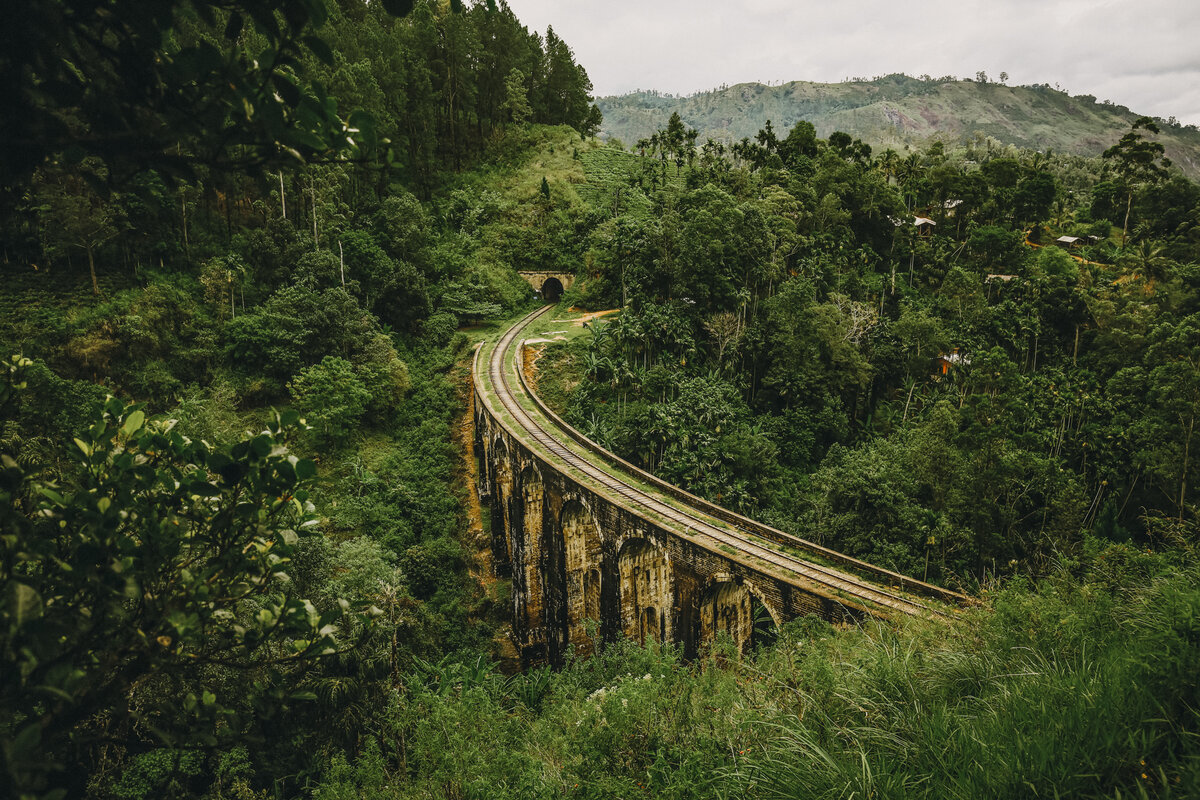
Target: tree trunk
[(1125, 226), (182, 205), (92, 269), (1187, 448)]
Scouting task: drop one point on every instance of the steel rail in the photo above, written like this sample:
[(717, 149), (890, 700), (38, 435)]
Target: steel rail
[(747, 524), (828, 582)]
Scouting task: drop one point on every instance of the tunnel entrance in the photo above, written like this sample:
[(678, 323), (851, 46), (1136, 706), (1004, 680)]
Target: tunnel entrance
[(552, 290)]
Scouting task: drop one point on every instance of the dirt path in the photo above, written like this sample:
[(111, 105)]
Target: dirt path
[(588, 316), (529, 364)]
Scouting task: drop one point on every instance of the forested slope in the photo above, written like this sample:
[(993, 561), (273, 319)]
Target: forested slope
[(962, 399), (898, 111), (262, 531)]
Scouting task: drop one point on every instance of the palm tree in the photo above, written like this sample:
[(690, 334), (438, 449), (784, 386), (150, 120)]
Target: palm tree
[(908, 173), (1147, 258), (888, 163)]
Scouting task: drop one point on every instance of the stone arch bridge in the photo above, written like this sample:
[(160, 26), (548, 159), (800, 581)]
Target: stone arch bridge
[(596, 548)]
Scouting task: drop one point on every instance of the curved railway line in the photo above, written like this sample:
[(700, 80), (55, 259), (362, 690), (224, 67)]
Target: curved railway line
[(692, 515)]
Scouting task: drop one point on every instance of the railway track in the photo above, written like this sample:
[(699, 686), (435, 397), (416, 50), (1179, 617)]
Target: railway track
[(748, 540)]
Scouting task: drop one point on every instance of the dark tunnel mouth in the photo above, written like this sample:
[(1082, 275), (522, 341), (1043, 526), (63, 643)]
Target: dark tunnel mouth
[(552, 290)]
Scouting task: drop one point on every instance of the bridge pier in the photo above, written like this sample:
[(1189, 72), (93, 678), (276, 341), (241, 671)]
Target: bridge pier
[(645, 591)]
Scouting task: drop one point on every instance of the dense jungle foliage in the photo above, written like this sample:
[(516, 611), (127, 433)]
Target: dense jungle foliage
[(961, 398), (246, 247)]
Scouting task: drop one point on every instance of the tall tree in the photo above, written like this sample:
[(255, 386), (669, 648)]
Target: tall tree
[(1139, 162), (75, 216), (516, 98)]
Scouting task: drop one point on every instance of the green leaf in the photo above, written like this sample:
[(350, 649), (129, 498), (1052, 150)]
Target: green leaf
[(287, 90), (25, 744), (24, 604), (261, 445), (52, 495), (233, 29), (84, 446), (218, 462), (319, 49), (133, 422), (398, 8), (306, 469)]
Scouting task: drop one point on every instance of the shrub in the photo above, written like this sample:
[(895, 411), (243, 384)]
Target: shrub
[(332, 398)]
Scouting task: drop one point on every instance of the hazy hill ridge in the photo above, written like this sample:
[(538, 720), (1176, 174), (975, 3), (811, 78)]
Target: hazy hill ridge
[(897, 110)]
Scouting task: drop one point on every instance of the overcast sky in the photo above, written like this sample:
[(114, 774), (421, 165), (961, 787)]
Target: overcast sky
[(1144, 54)]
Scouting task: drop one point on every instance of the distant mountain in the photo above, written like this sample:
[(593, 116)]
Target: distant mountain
[(896, 111)]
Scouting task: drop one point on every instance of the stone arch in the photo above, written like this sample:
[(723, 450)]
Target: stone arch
[(552, 289), (528, 589), (583, 554), (738, 608), (646, 590), (501, 495), (481, 450)]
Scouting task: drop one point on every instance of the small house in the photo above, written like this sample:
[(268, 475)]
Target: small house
[(943, 363), (1069, 242), (924, 225)]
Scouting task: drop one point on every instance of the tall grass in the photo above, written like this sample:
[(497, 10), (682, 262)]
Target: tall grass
[(1066, 691)]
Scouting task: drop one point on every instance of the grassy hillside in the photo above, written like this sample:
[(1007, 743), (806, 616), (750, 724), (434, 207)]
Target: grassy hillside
[(896, 111)]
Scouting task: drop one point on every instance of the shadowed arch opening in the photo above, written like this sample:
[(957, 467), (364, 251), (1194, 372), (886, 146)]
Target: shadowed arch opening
[(552, 290), (766, 627), (528, 582), (502, 482), (646, 591), (584, 581), (732, 607), (726, 608)]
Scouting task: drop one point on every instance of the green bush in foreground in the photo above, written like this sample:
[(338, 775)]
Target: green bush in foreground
[(145, 595)]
